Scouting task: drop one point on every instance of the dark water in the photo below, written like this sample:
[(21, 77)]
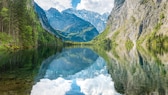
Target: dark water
[(82, 71), (18, 70)]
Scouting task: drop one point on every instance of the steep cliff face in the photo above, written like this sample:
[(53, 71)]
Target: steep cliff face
[(140, 21)]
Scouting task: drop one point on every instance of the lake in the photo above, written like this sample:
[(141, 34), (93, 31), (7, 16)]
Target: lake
[(84, 71)]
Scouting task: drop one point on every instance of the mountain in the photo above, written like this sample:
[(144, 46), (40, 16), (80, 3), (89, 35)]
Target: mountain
[(44, 21), (72, 72), (67, 63), (142, 22), (71, 27), (99, 21)]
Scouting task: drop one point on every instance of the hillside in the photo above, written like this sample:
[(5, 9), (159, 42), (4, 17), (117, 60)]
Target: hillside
[(71, 27), (20, 27), (142, 22)]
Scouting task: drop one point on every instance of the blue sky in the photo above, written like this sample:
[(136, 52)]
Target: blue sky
[(75, 2), (99, 6)]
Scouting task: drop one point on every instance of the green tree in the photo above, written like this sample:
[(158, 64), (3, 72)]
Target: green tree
[(19, 20), (5, 17)]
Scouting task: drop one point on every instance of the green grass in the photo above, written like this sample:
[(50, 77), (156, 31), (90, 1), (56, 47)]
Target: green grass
[(129, 44), (152, 39), (114, 37), (113, 50), (162, 16), (152, 36), (101, 37)]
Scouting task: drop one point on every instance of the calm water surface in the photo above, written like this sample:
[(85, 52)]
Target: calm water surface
[(82, 71)]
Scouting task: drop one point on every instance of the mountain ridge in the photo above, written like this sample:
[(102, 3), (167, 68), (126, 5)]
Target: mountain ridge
[(57, 23), (139, 21), (96, 19)]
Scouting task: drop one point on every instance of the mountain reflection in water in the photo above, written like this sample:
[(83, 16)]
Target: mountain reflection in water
[(77, 71), (80, 71), (139, 72)]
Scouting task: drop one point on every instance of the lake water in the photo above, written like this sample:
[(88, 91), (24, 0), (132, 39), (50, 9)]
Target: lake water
[(84, 71)]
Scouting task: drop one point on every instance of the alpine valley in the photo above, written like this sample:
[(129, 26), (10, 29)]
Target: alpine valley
[(72, 25), (79, 52)]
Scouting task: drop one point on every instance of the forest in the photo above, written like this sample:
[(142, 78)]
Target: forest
[(20, 27)]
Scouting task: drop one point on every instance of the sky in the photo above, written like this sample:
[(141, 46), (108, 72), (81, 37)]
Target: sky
[(99, 6), (75, 3)]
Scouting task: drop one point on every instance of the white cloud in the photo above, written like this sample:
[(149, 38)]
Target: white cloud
[(100, 6), (100, 85), (51, 87), (58, 4)]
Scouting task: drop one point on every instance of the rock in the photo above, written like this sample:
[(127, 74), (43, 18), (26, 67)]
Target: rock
[(138, 19)]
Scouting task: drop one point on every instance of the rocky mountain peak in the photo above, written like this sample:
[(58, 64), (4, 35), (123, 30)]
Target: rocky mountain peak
[(138, 19)]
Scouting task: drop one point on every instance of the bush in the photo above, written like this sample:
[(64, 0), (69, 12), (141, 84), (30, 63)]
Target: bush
[(143, 1), (129, 44)]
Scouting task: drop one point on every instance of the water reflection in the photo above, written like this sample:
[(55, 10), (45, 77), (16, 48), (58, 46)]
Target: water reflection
[(80, 71), (77, 71), (139, 72), (18, 69)]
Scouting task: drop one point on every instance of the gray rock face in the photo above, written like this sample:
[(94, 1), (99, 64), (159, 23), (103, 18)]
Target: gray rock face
[(137, 19), (118, 3), (97, 20)]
